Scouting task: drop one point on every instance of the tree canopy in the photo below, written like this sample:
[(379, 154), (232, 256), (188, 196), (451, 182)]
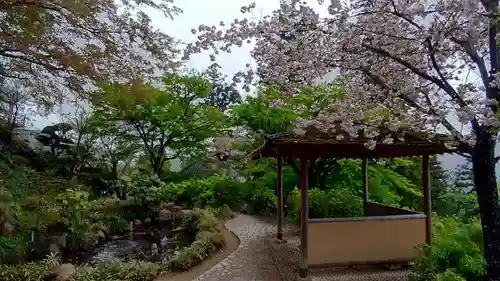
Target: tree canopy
[(168, 122), (51, 47)]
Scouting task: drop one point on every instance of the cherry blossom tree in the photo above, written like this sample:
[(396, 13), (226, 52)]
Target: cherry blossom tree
[(424, 65)]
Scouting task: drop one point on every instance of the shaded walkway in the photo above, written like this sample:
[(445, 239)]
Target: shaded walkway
[(252, 260)]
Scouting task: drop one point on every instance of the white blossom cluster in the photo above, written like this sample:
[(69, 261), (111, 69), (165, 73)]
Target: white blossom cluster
[(416, 64)]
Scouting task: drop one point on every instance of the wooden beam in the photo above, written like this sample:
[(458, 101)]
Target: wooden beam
[(366, 192), (304, 216), (427, 197), (279, 191)]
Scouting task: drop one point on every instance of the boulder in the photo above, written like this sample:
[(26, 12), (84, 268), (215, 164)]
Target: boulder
[(54, 245), (244, 209), (178, 218), (165, 215), (226, 212), (169, 206), (54, 248), (64, 272)]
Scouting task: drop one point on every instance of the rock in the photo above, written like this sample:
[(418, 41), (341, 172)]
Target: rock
[(54, 248), (54, 245), (107, 230), (165, 215), (178, 218), (154, 249), (226, 212), (64, 272), (244, 208), (101, 235), (169, 206)]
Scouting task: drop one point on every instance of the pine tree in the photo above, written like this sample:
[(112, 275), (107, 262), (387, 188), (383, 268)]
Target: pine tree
[(440, 183), (463, 180)]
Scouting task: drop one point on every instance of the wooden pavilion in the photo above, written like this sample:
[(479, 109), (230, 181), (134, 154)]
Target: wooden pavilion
[(385, 234)]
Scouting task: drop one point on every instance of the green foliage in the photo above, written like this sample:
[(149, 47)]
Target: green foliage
[(462, 206), (13, 249), (456, 252), (55, 137), (332, 203), (167, 122), (223, 94), (463, 177), (75, 208), (208, 240), (110, 212), (112, 270), (269, 112), (144, 187), (34, 271), (115, 270), (449, 275), (213, 191)]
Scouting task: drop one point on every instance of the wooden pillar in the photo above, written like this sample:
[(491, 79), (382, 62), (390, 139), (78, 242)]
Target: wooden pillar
[(304, 215), (427, 197), (279, 187), (366, 192)]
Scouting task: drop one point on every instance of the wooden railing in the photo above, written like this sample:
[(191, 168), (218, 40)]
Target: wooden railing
[(377, 210)]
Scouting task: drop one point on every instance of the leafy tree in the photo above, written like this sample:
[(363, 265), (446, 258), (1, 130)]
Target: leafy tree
[(14, 110), (170, 122), (56, 137), (223, 94), (114, 153), (115, 41), (271, 113), (81, 153)]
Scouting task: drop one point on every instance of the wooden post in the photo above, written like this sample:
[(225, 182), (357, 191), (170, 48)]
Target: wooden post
[(366, 192), (427, 197), (279, 187), (304, 215)]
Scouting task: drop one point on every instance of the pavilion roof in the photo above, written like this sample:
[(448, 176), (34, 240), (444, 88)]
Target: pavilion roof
[(337, 143)]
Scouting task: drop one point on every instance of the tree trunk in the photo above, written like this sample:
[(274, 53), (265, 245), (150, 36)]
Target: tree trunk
[(483, 166), (158, 166)]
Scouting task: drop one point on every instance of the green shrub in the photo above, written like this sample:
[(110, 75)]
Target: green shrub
[(108, 212), (449, 275), (214, 191), (36, 271), (115, 270), (456, 251), (208, 239), (12, 249), (327, 204), (112, 270)]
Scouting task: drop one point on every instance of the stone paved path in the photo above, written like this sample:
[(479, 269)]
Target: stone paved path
[(252, 260)]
